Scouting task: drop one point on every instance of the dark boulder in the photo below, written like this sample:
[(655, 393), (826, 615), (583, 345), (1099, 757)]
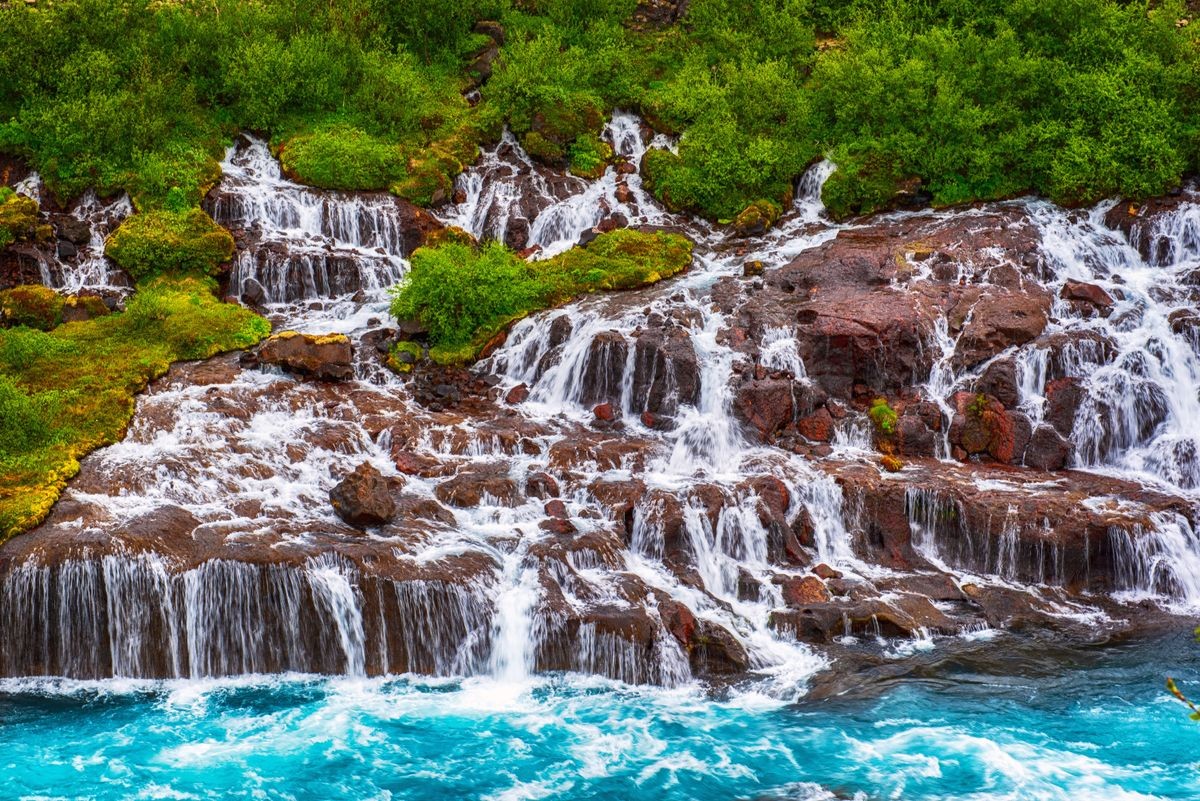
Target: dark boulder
[(364, 498)]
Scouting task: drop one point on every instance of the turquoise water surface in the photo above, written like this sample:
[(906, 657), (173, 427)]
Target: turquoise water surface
[(1027, 724)]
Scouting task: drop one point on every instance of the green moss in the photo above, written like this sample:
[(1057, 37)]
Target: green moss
[(450, 234), (403, 355), (589, 156), (68, 391), (543, 148), (756, 218), (883, 416), (18, 217), (34, 306), (465, 296), (170, 242), (343, 157)]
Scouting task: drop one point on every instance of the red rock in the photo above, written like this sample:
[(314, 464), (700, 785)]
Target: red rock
[(982, 425), (817, 426), (518, 394), (604, 412), (556, 508), (1086, 293), (804, 591), (327, 358), (541, 485), (824, 571)]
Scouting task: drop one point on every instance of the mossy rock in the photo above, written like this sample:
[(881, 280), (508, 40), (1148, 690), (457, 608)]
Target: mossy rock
[(18, 218), (169, 242), (77, 308), (451, 234), (32, 305), (427, 183), (404, 355), (544, 149), (757, 218), (590, 155)]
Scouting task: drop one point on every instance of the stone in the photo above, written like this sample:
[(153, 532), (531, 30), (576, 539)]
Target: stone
[(326, 357), (999, 379), (1086, 293), (604, 412), (364, 497), (1001, 319), (798, 592), (817, 427), (1047, 450)]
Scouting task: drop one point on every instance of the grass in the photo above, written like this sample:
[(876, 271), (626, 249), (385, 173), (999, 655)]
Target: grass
[(65, 392), (465, 296)]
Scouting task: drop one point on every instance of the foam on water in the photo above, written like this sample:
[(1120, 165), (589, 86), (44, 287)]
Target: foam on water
[(1098, 734)]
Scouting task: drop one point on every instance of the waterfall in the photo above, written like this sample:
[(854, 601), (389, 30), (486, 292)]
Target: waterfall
[(621, 515)]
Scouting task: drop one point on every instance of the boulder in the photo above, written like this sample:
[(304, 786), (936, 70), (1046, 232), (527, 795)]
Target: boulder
[(364, 497), (1088, 294), (1001, 319), (999, 379), (982, 425), (1047, 450), (327, 357), (475, 484)]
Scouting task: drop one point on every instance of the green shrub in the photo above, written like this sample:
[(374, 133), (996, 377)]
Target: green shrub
[(464, 295), (170, 242), (589, 156), (883, 416), (343, 157)]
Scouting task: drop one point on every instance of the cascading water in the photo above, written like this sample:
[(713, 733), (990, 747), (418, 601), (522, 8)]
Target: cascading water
[(717, 536)]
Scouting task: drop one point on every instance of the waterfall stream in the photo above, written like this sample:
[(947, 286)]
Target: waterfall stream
[(204, 545)]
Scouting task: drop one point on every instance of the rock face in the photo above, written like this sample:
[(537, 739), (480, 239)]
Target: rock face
[(364, 498), (327, 357), (645, 485)]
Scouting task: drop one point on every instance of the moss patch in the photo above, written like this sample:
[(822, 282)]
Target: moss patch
[(34, 306), (590, 155), (66, 392), (403, 355), (18, 217), (185, 242), (464, 296)]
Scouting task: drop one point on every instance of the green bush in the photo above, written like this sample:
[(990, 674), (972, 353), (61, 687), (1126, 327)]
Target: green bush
[(343, 157), (179, 243), (464, 295)]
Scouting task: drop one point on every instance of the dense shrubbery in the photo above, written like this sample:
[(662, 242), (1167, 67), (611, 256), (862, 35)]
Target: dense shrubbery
[(69, 390), (464, 295), (1077, 99), (1072, 98), (177, 242)]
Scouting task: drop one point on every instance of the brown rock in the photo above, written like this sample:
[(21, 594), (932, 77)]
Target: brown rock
[(817, 426), (1086, 293), (325, 357), (804, 591), (518, 394), (364, 498)]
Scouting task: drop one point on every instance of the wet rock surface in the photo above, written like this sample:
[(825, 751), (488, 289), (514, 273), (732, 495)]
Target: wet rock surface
[(682, 481)]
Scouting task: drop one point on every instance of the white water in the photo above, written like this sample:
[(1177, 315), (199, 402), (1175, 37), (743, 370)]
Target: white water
[(253, 457)]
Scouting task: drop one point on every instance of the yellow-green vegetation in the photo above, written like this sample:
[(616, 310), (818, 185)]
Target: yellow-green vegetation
[(590, 155), (178, 242), (403, 355), (465, 296), (883, 416), (67, 391), (33, 306), (18, 217)]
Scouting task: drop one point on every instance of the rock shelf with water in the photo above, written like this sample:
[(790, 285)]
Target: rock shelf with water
[(676, 482)]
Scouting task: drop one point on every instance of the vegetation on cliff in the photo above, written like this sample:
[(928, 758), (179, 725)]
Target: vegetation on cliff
[(69, 390), (464, 296), (948, 101)]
